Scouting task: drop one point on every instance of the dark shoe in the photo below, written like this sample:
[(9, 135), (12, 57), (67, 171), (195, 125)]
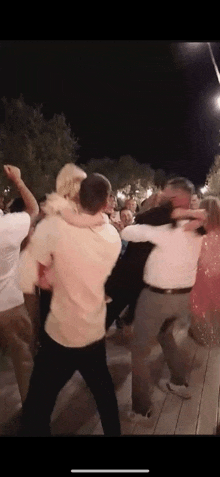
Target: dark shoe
[(119, 324)]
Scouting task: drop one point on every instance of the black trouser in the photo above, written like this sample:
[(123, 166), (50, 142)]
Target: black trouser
[(118, 304), (54, 366), (114, 309), (45, 299)]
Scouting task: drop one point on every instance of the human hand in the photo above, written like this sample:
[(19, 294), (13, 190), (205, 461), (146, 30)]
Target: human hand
[(179, 213), (118, 225), (13, 173)]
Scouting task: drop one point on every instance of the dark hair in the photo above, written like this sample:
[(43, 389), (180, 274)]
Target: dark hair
[(181, 183), (94, 192), (17, 205)]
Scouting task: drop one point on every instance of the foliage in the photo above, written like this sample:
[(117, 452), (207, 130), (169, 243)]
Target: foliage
[(126, 174), (213, 178), (37, 146), (40, 147)]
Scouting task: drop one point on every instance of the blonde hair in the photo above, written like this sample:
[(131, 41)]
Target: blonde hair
[(69, 180), (212, 206)]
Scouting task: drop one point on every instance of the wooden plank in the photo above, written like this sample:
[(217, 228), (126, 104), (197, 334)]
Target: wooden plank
[(121, 356), (160, 399), (149, 429), (77, 415), (208, 415), (167, 421), (187, 420), (124, 403), (218, 426), (91, 427), (171, 409)]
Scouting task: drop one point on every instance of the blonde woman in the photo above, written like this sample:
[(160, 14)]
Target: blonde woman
[(205, 296)]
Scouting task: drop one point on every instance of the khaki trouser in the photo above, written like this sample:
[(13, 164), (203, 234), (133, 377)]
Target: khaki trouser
[(156, 318), (15, 337)]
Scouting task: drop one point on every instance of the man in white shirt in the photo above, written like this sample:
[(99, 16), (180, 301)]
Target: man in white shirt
[(81, 260), (169, 275), (15, 325)]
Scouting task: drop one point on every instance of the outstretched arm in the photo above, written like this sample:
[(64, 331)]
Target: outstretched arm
[(82, 220), (139, 233), (197, 217), (31, 205)]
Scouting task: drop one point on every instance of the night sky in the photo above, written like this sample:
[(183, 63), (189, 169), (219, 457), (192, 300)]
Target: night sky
[(153, 100)]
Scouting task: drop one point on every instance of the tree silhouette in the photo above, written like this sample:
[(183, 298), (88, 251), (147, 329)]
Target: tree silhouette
[(37, 146)]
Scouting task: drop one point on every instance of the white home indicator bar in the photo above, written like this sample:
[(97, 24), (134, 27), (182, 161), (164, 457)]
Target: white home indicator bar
[(111, 470)]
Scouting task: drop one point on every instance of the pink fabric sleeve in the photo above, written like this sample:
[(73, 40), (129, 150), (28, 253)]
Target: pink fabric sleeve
[(82, 220)]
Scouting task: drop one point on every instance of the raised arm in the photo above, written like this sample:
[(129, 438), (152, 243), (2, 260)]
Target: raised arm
[(31, 205), (82, 220), (197, 218), (139, 233)]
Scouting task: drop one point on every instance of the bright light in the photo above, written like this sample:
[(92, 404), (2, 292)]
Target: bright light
[(194, 45), (215, 103), (120, 195), (149, 193), (193, 48), (204, 189)]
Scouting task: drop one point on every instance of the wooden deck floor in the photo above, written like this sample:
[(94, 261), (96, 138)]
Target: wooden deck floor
[(75, 411)]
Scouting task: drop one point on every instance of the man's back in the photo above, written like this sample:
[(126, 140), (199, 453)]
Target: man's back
[(173, 261), (14, 228), (82, 260)]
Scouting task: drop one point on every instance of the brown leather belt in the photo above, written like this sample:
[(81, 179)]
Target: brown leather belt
[(168, 291)]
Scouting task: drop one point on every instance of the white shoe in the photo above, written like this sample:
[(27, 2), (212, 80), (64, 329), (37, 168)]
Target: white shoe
[(133, 416), (181, 391)]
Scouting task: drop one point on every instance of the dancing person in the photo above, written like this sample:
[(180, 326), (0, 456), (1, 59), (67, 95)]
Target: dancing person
[(68, 182), (205, 296), (131, 204), (195, 201), (66, 197), (126, 217), (15, 323), (126, 281), (163, 305), (150, 202), (65, 202), (80, 261), (111, 210), (31, 299)]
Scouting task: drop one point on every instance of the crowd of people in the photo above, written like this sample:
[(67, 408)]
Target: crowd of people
[(72, 263)]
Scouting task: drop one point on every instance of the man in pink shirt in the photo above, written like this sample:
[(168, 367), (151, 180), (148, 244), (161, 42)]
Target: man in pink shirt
[(80, 260)]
